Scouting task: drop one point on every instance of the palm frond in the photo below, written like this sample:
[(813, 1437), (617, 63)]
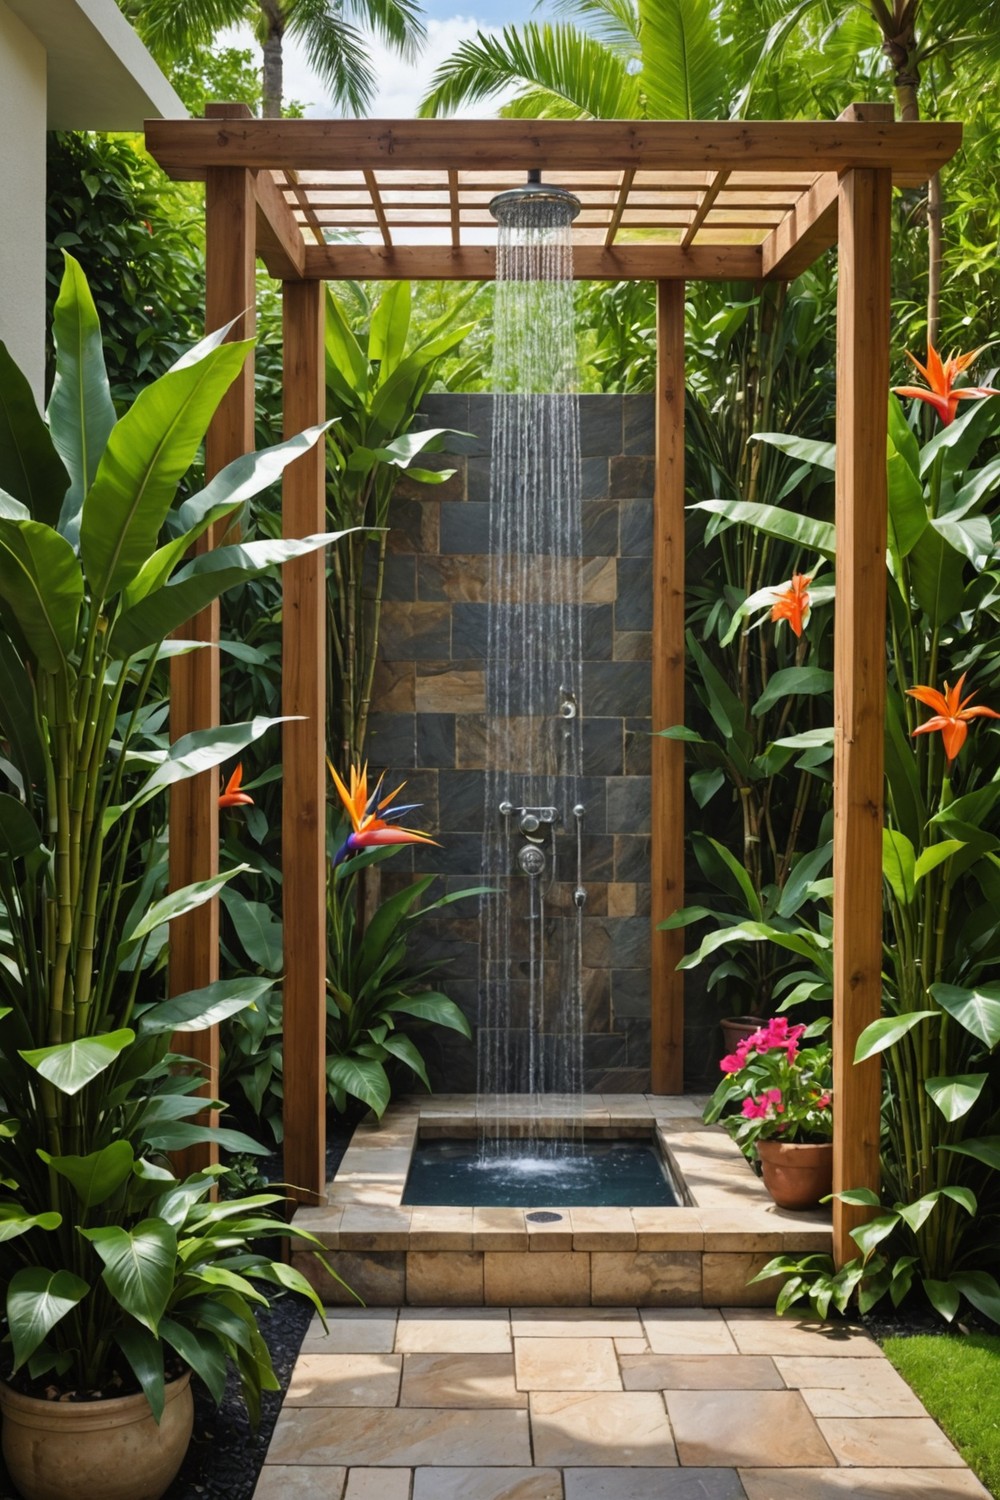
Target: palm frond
[(684, 76), (336, 50), (170, 27), (566, 73), (396, 21), (614, 22)]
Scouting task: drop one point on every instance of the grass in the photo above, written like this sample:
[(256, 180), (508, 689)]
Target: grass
[(958, 1380)]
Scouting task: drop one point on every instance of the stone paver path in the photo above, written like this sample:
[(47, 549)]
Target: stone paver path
[(601, 1404)]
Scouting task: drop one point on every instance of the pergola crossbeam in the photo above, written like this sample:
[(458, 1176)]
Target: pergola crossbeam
[(639, 262)]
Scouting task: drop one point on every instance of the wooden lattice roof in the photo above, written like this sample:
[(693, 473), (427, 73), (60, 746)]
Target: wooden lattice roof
[(409, 198)]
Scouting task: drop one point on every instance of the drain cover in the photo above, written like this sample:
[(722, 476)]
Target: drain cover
[(542, 1216)]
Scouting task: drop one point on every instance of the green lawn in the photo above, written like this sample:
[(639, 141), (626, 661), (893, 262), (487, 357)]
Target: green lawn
[(958, 1380)]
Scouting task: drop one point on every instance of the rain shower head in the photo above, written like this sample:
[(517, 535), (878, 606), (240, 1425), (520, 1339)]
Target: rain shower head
[(546, 204)]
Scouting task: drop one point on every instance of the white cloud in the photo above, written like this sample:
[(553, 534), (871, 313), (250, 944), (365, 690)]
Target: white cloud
[(401, 85)]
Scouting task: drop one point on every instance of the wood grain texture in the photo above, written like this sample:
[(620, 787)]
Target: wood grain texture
[(804, 233), (478, 263), (667, 841), (194, 679), (279, 235), (186, 147), (303, 692), (859, 680)]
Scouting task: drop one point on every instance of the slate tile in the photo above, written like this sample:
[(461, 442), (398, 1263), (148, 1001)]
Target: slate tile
[(640, 425), (465, 526), (634, 606), (636, 527), (616, 688), (632, 477)]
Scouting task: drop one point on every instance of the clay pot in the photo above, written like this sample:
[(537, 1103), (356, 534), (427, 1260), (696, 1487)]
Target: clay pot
[(736, 1029), (95, 1450), (797, 1174)]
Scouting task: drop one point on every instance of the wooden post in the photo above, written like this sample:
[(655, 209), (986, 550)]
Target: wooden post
[(667, 841), (230, 292), (859, 680), (303, 686)]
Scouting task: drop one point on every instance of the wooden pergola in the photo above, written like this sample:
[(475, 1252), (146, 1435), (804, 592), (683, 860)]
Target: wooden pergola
[(670, 201)]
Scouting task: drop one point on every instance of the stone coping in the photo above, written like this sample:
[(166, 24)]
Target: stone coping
[(703, 1251)]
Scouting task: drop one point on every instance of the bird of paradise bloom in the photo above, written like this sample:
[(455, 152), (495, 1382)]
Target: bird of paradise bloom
[(373, 818), (792, 603), (951, 715), (940, 376), (231, 796)]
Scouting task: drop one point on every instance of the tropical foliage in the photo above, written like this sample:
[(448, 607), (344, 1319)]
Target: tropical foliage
[(106, 1256)]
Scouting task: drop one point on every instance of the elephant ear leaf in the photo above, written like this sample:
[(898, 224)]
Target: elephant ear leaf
[(81, 413), (30, 468), (37, 1299)]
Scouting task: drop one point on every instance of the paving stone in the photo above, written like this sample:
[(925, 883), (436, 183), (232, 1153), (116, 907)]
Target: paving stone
[(352, 1330), (376, 1484), (874, 1442), (695, 1330), (487, 1484), (566, 1364), (601, 1429), (654, 1484), (771, 1428), (700, 1372), (631, 1346), (862, 1484), (345, 1380), (577, 1322), (394, 1438), (460, 1380), (850, 1387), (445, 1330), (296, 1482), (765, 1333)]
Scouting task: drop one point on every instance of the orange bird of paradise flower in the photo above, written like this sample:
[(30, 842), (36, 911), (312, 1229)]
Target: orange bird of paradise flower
[(231, 796), (373, 818), (792, 603), (940, 376), (950, 714)]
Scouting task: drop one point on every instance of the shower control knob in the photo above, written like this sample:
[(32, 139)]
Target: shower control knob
[(531, 860), (529, 823), (505, 809)]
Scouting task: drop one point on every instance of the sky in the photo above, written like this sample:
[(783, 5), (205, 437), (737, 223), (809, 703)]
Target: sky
[(402, 85)]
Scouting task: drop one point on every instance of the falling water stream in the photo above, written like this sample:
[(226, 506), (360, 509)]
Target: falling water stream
[(530, 1035)]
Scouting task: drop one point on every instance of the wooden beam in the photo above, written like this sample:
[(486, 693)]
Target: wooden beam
[(303, 692), (640, 262), (194, 679), (804, 233), (621, 202), (705, 206), (859, 681), (667, 854), (279, 235), (186, 147)]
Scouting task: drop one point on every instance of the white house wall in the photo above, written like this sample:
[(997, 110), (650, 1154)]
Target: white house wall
[(23, 112)]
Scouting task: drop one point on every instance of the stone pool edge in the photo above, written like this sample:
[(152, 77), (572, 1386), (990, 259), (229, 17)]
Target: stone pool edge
[(699, 1255)]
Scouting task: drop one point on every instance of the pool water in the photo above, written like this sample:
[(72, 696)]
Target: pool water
[(596, 1174)]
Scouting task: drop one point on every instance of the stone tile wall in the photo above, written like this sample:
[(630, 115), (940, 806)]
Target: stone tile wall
[(430, 728)]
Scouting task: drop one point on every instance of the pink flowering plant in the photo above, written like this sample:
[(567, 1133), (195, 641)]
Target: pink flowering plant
[(775, 1087)]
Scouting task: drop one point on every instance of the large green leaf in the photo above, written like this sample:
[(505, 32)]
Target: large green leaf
[(30, 468), (200, 1349), (683, 73), (818, 455), (199, 1009), (936, 573), (208, 576), (907, 507), (19, 833), (37, 1299), (147, 454), (431, 1005), (40, 579), (139, 1267), (899, 865), (177, 1135), (257, 928), (70, 1066), (201, 750), (363, 1078), (389, 326), (144, 1352), (956, 1095), (17, 714), (885, 1033), (97, 1176), (81, 412), (806, 946), (814, 536), (982, 1291), (178, 903), (985, 1149), (405, 1050), (789, 682), (978, 1010)]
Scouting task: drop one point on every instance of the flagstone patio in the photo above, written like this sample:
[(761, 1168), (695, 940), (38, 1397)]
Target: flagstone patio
[(594, 1403)]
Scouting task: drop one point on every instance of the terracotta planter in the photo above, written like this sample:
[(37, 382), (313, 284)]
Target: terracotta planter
[(95, 1450), (736, 1029), (797, 1174)]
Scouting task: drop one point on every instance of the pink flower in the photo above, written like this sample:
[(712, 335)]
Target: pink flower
[(765, 1106), (732, 1063), (823, 1102)]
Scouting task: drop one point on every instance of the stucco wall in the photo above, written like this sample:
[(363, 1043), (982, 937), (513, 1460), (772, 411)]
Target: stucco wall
[(22, 178)]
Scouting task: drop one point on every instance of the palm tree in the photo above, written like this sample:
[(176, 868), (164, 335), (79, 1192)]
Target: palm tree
[(328, 29)]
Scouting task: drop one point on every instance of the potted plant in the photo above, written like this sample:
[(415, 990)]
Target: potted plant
[(784, 1091), (117, 1277)]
